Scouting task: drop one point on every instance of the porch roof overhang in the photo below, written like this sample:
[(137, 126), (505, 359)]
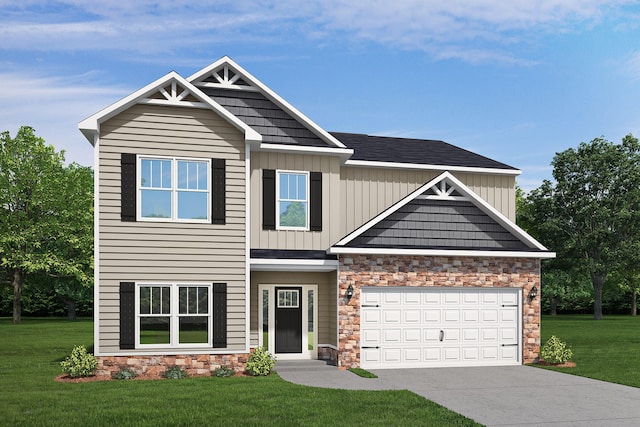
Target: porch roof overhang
[(292, 260)]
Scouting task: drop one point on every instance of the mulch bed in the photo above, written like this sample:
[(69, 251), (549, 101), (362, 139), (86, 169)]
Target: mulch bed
[(557, 365), (64, 378)]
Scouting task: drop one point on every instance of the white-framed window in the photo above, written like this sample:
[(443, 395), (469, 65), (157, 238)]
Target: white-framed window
[(173, 315), (292, 201), (174, 189), (288, 298)]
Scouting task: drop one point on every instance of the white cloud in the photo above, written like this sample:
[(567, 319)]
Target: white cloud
[(471, 30), (633, 65), (53, 106)]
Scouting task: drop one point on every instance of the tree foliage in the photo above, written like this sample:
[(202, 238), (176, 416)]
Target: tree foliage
[(590, 215), (46, 226)]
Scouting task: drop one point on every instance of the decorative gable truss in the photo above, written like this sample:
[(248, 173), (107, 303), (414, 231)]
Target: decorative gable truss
[(170, 90), (174, 94), (443, 217), (224, 77)]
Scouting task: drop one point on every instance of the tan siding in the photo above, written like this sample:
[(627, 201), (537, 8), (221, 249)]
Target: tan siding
[(280, 239), (327, 300), (170, 252), (365, 192)]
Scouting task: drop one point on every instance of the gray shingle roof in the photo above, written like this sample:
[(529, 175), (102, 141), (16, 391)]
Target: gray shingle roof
[(420, 151), (274, 124), (439, 224)]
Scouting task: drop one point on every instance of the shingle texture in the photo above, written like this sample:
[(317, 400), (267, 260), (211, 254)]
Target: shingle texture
[(274, 124), (420, 151), (439, 224)]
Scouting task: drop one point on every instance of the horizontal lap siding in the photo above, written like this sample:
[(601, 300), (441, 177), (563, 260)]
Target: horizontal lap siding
[(171, 252), (327, 300), (290, 239), (365, 192)]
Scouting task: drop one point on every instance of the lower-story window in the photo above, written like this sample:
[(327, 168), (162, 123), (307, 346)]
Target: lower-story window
[(171, 315)]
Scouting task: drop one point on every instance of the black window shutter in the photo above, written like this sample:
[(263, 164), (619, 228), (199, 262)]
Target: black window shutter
[(315, 201), (268, 199), (127, 315), (218, 191), (128, 187), (219, 315)]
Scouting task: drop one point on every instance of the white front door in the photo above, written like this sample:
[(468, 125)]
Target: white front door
[(287, 317), (436, 327)]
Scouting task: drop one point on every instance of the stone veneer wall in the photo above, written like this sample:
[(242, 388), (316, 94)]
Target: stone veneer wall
[(193, 364), (388, 270), (328, 353)]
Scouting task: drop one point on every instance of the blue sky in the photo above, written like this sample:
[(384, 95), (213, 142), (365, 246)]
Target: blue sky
[(516, 81)]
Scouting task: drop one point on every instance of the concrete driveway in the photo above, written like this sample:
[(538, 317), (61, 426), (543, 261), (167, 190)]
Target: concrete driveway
[(494, 396)]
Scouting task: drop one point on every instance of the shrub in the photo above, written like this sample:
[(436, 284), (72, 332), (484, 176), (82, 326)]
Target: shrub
[(175, 373), (125, 374), (224, 371), (80, 363), (555, 351), (261, 362)]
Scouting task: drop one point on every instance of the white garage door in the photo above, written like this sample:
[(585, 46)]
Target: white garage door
[(436, 327)]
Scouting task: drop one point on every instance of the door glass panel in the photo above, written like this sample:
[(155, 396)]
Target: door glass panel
[(265, 318), (310, 307), (288, 298)]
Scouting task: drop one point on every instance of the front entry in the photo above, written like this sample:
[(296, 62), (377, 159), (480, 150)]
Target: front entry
[(288, 320)]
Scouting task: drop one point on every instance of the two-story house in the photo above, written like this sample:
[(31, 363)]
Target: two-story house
[(225, 219)]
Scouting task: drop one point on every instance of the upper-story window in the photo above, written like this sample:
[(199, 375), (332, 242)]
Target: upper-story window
[(292, 200), (174, 189)]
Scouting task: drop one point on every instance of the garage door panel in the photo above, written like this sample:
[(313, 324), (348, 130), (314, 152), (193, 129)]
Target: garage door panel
[(412, 316), (371, 337), (412, 336), (424, 327), (470, 335), (451, 316), (392, 336), (371, 317), (391, 316), (431, 316), (391, 355), (412, 355), (470, 316), (470, 353)]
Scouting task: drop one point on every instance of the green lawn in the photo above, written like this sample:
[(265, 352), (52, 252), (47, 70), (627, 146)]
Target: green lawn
[(607, 349), (29, 360)]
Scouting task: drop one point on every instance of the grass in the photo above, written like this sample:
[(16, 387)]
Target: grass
[(30, 355), (607, 349), (363, 373)]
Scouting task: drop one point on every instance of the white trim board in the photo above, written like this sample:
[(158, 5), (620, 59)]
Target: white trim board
[(285, 265), (441, 252)]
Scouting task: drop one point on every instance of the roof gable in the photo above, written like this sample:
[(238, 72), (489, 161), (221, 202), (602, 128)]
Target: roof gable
[(442, 216), (224, 76), (169, 90)]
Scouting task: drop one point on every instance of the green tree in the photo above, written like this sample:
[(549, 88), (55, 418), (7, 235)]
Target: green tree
[(294, 216), (591, 215), (46, 221)]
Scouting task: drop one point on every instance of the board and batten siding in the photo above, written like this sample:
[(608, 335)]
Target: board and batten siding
[(167, 252), (326, 304), (292, 239), (365, 192)]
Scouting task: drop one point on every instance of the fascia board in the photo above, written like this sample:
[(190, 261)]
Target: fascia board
[(91, 124), (396, 165), (439, 252), (284, 264), (279, 101), (342, 152)]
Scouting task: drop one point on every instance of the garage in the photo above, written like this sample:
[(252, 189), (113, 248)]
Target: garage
[(418, 327)]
